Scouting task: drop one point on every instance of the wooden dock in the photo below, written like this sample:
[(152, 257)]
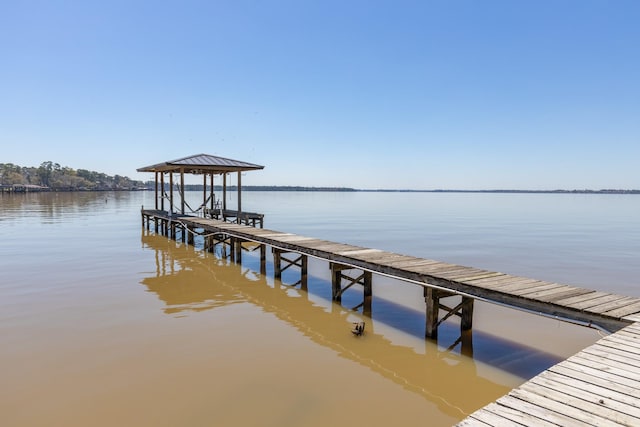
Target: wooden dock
[(598, 386)]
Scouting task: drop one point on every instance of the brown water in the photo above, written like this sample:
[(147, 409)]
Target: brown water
[(102, 323)]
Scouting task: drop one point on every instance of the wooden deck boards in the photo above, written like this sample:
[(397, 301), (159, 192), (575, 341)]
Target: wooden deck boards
[(598, 386)]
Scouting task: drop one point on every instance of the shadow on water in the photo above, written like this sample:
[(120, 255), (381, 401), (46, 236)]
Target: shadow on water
[(191, 280)]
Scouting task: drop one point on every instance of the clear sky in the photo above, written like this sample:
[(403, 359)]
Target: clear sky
[(460, 94)]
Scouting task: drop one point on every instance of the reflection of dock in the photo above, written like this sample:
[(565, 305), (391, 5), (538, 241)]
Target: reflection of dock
[(185, 282), (599, 385)]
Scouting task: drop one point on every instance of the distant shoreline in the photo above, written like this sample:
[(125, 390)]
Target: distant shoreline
[(357, 190), (284, 188)]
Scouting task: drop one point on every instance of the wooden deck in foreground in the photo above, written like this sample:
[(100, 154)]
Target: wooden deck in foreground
[(598, 386)]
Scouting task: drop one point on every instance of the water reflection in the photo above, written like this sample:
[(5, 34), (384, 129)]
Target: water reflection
[(188, 281)]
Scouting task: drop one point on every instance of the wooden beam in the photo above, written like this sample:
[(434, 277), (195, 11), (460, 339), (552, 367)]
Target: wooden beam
[(182, 191), (239, 196)]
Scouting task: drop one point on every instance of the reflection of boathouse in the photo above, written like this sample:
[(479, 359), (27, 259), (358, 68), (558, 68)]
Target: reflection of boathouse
[(170, 175)]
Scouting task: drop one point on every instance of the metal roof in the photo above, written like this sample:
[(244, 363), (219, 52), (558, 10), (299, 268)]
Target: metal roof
[(201, 163)]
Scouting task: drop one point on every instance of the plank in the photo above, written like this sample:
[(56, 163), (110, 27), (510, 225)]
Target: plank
[(429, 268), (612, 399), (613, 305), (491, 418), (634, 327), (605, 382), (471, 422), (505, 284), (624, 338), (446, 272), (613, 354), (411, 263), (586, 405), (488, 275), (525, 287), (533, 291), (538, 406), (608, 365), (516, 416), (594, 302), (581, 298), (631, 350), (507, 277), (595, 372), (294, 238), (625, 311), (415, 262), (361, 251), (554, 298)]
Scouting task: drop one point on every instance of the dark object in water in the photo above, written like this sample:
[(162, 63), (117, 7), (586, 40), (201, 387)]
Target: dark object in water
[(358, 328)]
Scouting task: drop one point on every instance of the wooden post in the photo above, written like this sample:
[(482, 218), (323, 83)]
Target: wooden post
[(432, 298), (162, 191), (336, 282), (239, 197), (182, 191), (263, 259), (466, 319), (204, 192), (171, 192), (368, 293), (213, 194), (224, 192), (156, 187), (277, 267), (304, 268), (238, 251)]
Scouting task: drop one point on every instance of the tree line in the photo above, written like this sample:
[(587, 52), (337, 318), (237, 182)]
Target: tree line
[(63, 178)]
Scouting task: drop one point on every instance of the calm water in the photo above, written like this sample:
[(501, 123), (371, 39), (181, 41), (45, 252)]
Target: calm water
[(102, 323)]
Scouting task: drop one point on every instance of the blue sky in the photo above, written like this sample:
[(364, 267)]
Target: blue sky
[(366, 94)]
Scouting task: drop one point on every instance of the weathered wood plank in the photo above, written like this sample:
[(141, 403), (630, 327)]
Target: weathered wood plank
[(595, 372), (472, 422), (599, 400), (410, 263), (538, 406), (583, 406), (359, 252), (581, 298), (505, 286), (611, 353), (573, 408), (624, 338), (612, 305), (594, 302), (431, 268), (487, 275), (491, 418), (533, 291), (604, 381), (516, 416), (608, 365), (625, 310), (556, 297)]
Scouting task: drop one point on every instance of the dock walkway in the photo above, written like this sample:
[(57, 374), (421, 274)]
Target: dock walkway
[(603, 309), (598, 386)]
